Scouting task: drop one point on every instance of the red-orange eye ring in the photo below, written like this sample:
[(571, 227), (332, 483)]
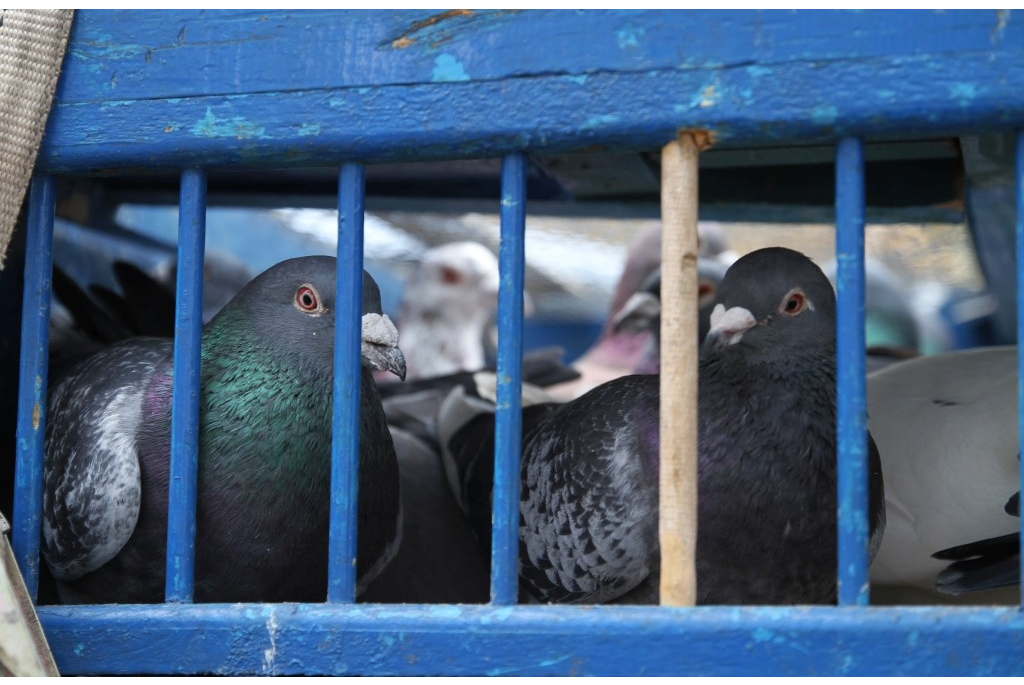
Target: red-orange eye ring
[(306, 299), (794, 304)]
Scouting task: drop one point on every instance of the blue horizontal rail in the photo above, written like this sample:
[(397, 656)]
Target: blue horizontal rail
[(417, 86), (536, 640)]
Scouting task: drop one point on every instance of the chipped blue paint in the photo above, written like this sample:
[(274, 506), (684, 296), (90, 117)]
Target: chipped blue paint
[(235, 127), (110, 104), (579, 79), (757, 71), (309, 130), (762, 635), (964, 93), (600, 121), (448, 68), (511, 670), (824, 115), (707, 96), (629, 36)]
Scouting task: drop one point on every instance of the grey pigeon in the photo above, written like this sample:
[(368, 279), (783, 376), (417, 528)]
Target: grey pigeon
[(947, 426), (264, 452), (447, 307), (767, 460)]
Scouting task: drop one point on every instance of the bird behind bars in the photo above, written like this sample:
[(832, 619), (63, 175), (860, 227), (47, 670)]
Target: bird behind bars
[(766, 465), (265, 431)]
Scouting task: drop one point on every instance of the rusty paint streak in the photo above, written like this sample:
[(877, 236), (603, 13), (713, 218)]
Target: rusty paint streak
[(703, 137), (35, 416), (405, 41)]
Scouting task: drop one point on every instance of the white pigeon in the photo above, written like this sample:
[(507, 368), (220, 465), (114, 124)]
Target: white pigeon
[(447, 307), (946, 430)]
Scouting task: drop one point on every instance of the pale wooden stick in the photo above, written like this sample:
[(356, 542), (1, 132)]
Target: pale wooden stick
[(678, 421)]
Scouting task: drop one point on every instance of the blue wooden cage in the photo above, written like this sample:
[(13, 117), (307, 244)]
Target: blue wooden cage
[(190, 95)]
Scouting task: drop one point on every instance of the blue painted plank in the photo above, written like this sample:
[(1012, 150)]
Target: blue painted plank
[(536, 640), (873, 75), (509, 419), (851, 405), (35, 343), (188, 330), (341, 564), (134, 54)]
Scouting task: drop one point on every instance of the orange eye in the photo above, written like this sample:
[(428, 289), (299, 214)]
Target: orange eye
[(794, 304), (306, 299)]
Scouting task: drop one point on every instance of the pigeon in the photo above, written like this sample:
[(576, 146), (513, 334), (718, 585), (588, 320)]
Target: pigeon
[(446, 309), (946, 425), (767, 460), (642, 311), (440, 559), (264, 452), (982, 565), (624, 349), (616, 353)]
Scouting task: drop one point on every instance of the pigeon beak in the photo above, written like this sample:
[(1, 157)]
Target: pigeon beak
[(384, 358), (729, 325), (379, 345)]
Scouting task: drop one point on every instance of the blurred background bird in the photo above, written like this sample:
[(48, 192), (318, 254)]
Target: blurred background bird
[(448, 307)]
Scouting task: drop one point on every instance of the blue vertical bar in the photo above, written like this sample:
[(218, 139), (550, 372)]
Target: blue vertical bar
[(1019, 189), (851, 405), (507, 437), (341, 566), (35, 343), (188, 329)]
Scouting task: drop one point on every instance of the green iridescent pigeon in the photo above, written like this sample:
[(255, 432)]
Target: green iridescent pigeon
[(264, 456)]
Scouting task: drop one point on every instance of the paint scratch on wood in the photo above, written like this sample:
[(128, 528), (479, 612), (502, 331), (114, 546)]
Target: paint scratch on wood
[(405, 41), (1002, 19), (270, 653)]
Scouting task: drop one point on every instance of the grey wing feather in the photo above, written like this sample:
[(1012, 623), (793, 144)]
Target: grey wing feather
[(91, 484), (589, 508)]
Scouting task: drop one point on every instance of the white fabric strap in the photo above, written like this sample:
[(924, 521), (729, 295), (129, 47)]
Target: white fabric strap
[(32, 45)]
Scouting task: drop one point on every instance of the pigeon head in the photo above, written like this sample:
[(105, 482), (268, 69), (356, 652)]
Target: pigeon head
[(770, 297), (292, 305), (460, 274)]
